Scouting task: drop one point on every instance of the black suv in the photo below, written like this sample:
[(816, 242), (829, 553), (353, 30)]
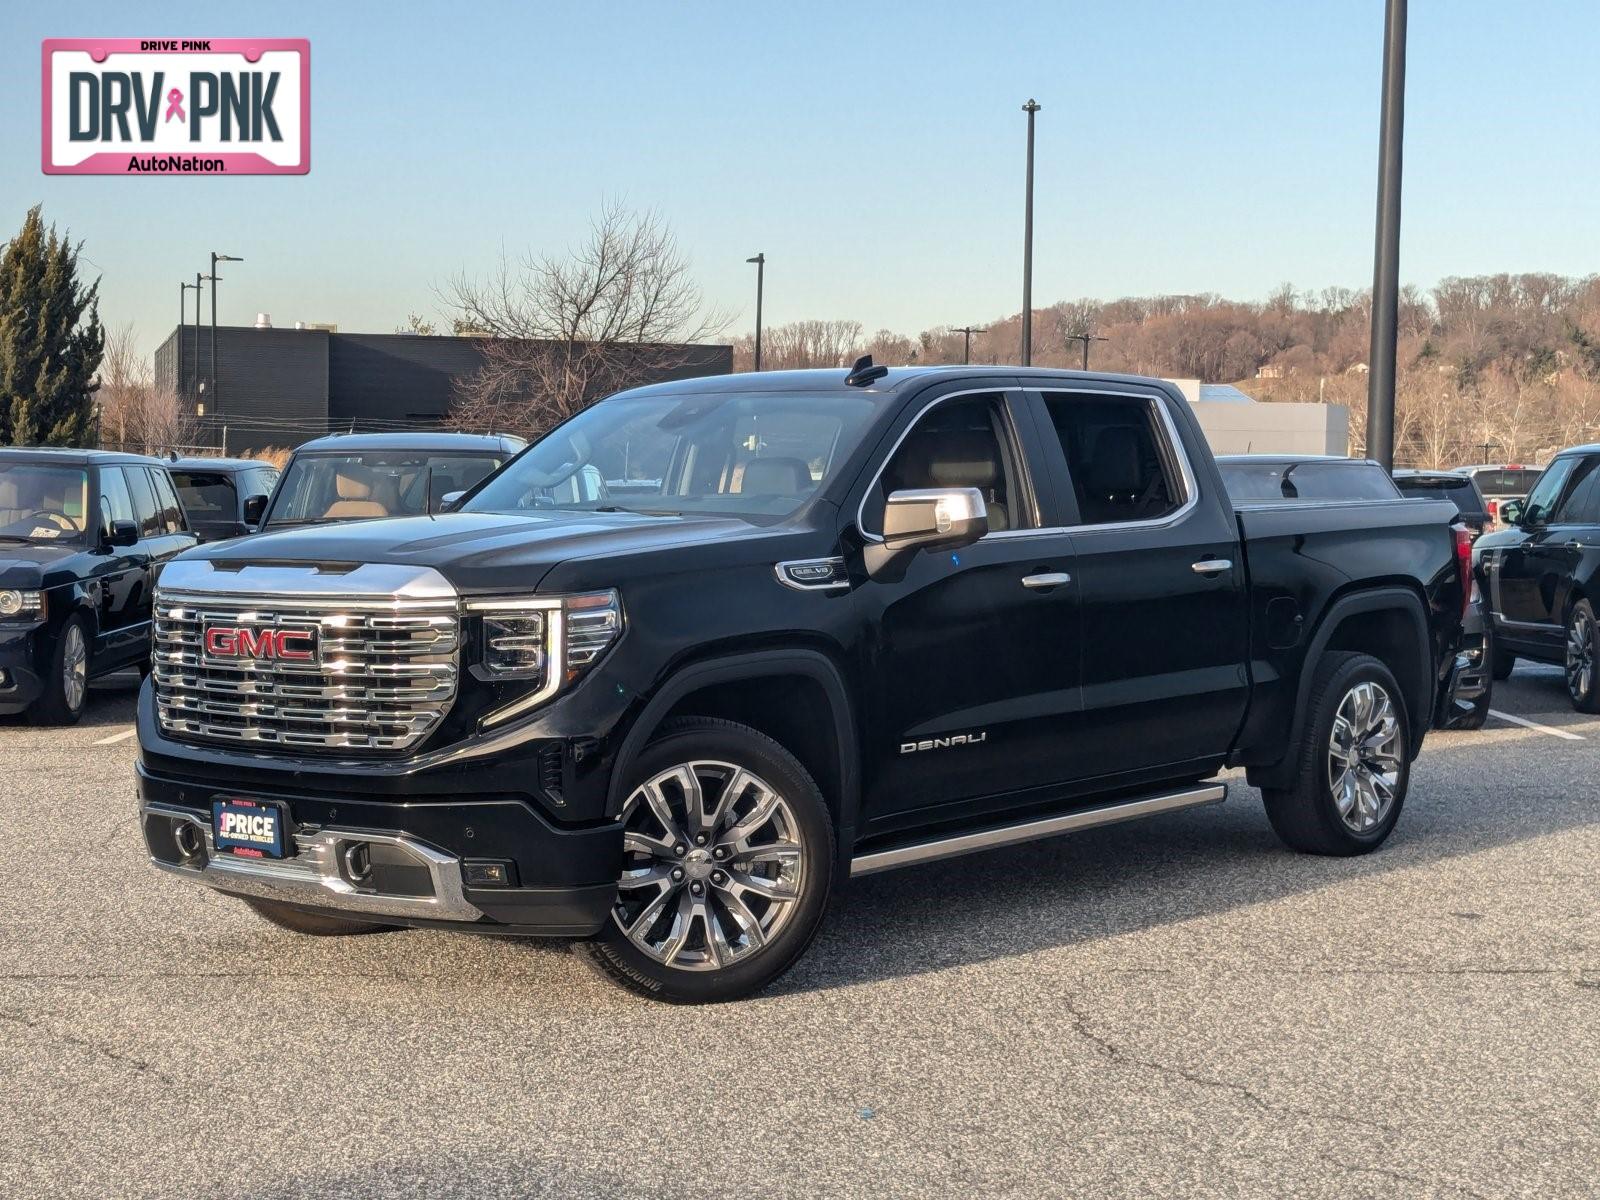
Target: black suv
[(224, 497), (712, 646), (81, 534), (1542, 575)]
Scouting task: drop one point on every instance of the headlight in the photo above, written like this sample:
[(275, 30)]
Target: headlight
[(543, 641), (21, 604)]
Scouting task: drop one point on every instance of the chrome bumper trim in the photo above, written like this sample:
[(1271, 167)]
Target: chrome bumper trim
[(313, 876)]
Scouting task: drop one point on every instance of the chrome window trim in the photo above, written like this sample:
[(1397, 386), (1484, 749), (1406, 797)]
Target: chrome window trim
[(877, 476)]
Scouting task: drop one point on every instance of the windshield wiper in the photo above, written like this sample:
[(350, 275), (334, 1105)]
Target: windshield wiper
[(638, 512)]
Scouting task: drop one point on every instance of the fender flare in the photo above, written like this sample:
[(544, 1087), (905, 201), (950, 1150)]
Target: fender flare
[(811, 664), (1419, 689)]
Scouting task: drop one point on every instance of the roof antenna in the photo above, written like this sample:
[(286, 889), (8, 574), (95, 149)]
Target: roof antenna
[(864, 372)]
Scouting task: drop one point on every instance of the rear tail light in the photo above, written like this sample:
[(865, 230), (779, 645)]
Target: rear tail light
[(1494, 510), (1464, 564)]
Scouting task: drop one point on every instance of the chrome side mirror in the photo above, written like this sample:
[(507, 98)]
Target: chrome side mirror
[(926, 519)]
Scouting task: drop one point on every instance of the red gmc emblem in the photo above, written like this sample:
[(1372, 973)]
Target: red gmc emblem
[(238, 641)]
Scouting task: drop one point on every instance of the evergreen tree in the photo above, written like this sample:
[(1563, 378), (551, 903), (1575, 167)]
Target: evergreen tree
[(51, 340)]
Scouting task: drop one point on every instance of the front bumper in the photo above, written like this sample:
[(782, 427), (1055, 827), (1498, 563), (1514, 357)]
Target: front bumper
[(561, 883), (22, 681)]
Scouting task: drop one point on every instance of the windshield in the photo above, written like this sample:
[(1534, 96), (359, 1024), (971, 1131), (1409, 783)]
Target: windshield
[(1337, 480), (40, 503), (756, 456), (375, 483)]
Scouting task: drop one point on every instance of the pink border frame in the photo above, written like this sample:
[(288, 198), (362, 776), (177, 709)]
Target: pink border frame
[(114, 162)]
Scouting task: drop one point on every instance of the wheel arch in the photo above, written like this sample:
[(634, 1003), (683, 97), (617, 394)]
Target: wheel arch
[(1389, 623), (741, 688)]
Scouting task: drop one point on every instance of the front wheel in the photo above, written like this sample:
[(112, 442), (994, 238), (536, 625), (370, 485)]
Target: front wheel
[(1353, 768), (728, 859), (1583, 653), (66, 682)]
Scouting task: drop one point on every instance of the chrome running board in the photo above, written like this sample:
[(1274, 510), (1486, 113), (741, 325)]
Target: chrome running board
[(1030, 831)]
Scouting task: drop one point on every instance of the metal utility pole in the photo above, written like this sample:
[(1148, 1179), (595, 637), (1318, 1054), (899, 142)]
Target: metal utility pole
[(760, 261), (183, 325), (1386, 253), (215, 259), (966, 345), (1031, 107), (1085, 338)]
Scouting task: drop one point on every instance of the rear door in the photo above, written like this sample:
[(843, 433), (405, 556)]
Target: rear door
[(1160, 581)]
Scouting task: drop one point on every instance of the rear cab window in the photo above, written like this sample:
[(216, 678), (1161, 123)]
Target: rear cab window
[(207, 495), (1287, 482)]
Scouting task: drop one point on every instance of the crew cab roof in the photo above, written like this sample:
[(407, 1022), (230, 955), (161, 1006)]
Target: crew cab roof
[(218, 464), (440, 442), (897, 379)]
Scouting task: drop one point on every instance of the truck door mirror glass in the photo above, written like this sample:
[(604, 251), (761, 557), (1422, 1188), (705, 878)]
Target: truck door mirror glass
[(450, 501), (255, 507), (926, 519), (123, 533), (1511, 512)]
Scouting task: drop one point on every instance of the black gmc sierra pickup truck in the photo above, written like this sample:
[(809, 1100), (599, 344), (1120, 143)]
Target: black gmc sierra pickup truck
[(710, 647)]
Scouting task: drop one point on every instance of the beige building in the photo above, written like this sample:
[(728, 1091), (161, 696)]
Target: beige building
[(1235, 424)]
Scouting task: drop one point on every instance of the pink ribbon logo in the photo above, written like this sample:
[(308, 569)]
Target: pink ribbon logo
[(175, 105)]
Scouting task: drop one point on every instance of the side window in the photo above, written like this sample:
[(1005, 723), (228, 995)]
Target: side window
[(115, 503), (1547, 492), (1582, 503), (1122, 468), (172, 518), (144, 502), (960, 443)]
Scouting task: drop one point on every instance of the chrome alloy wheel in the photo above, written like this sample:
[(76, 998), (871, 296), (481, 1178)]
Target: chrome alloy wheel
[(712, 865), (74, 667), (1364, 761), (1580, 655)]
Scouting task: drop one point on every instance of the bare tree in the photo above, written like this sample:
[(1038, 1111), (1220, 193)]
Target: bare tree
[(124, 381), (561, 331)]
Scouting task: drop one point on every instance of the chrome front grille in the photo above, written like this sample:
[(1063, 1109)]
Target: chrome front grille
[(386, 673)]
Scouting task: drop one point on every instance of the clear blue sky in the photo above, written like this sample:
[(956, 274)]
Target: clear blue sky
[(873, 151)]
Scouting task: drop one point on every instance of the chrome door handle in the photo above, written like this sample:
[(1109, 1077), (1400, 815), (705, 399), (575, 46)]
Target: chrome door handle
[(1049, 579), (1212, 566), (1573, 544)]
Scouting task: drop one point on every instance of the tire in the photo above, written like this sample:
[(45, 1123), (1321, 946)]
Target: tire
[(1504, 663), (66, 682), (751, 917), (1311, 815), (1582, 662), (310, 924)]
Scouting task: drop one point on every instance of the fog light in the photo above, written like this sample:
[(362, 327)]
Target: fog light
[(5, 679), (488, 872)]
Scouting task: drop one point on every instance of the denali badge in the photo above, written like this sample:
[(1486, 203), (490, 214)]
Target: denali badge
[(944, 743), (242, 642)]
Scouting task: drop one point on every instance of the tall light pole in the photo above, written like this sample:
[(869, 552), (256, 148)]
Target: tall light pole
[(183, 325), (1085, 338), (1031, 107), (760, 261), (1386, 251), (966, 346), (215, 259)]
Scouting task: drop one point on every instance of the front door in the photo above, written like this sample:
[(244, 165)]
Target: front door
[(972, 672), (1162, 587), (120, 578), (1531, 581)]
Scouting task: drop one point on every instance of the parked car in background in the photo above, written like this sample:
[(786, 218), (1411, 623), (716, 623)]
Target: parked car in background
[(1499, 482), (224, 497), (82, 534), (1542, 575), (361, 476), (1455, 486), (860, 621), (1270, 478)]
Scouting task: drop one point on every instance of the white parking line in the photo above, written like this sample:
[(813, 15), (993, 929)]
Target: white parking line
[(116, 737), (1551, 730)]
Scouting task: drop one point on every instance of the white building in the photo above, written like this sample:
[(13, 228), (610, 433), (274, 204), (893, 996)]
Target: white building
[(1235, 424)]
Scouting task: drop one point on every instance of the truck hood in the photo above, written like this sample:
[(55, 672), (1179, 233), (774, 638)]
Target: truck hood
[(475, 551)]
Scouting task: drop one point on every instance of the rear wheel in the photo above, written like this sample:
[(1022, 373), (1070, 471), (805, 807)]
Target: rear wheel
[(727, 866), (310, 924), (1352, 761), (1583, 658), (66, 682)]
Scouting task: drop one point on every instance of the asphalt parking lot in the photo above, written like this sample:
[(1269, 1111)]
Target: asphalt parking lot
[(1173, 1007)]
